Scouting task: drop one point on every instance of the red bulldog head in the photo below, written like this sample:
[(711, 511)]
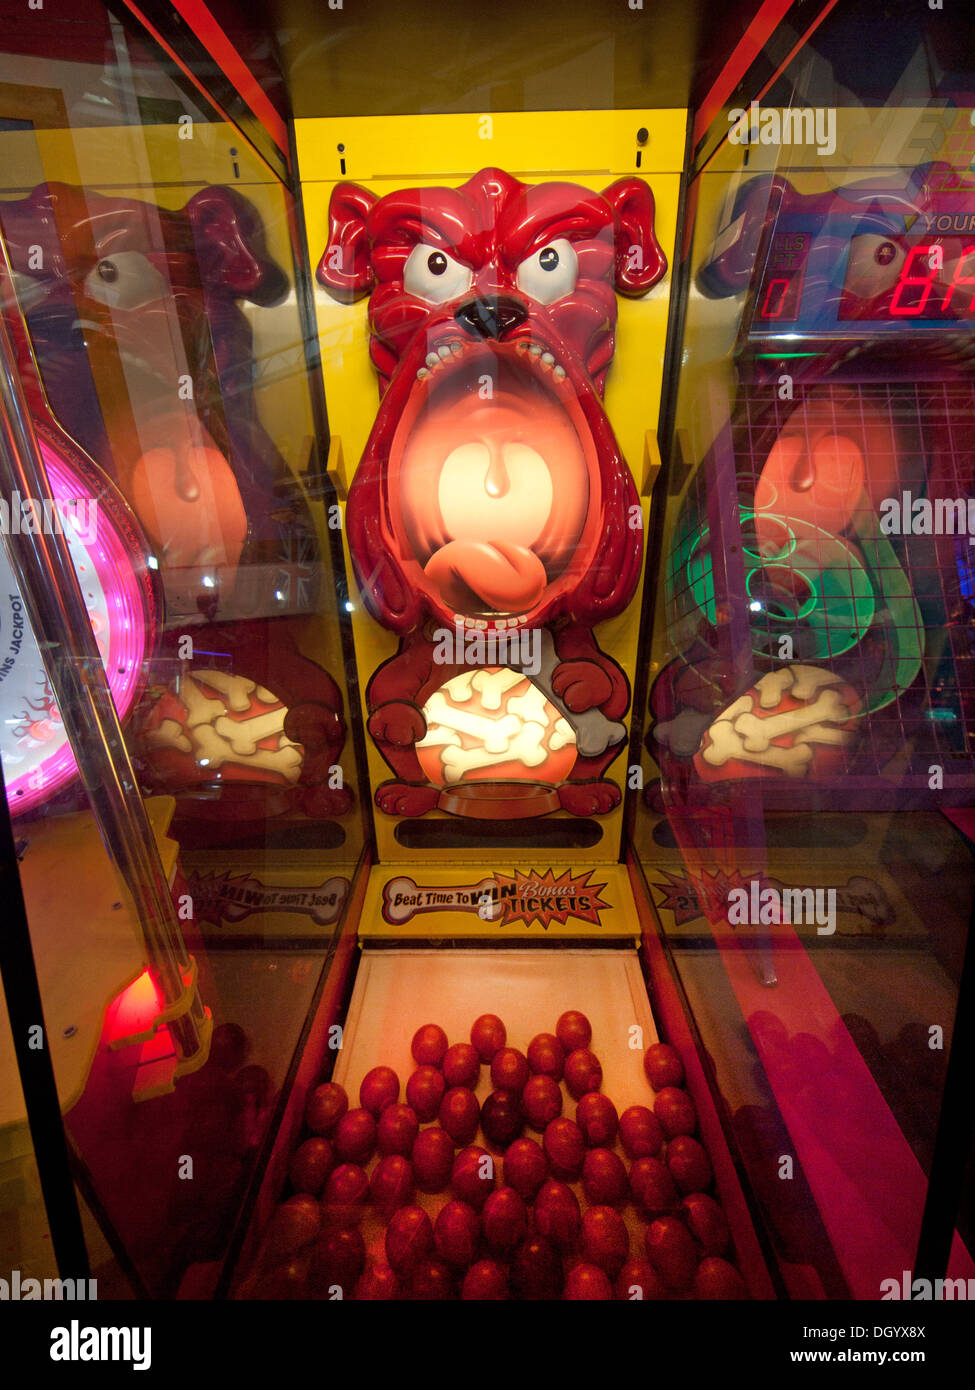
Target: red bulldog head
[(491, 488), (142, 295)]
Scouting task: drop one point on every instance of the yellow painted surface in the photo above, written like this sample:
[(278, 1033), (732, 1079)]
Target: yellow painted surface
[(589, 148)]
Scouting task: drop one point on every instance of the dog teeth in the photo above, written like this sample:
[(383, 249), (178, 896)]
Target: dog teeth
[(534, 350), (444, 351), (457, 349), (559, 373), (422, 373), (548, 359), (432, 359)]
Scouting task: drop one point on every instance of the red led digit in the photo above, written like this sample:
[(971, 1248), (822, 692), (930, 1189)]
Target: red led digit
[(959, 279), (766, 311), (909, 281)]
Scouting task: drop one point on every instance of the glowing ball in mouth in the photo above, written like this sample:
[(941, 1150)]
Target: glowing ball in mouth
[(494, 725), (112, 574)]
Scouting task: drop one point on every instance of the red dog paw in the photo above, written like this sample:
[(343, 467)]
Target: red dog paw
[(397, 723), (589, 798), (406, 798), (581, 685)]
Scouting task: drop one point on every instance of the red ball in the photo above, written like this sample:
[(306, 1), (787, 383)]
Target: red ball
[(640, 1132), (501, 1118), (541, 1100), (706, 1222), (488, 1034), (397, 1130), (429, 1045), (345, 1195), (557, 1215), (326, 1106), (432, 1279), (378, 1282), (485, 1281), (565, 1148), (587, 1283), (339, 1259), (536, 1270), (456, 1232), (597, 1118), (472, 1176), (424, 1092), (355, 1137), (433, 1156), (546, 1056), (311, 1165), (461, 1066), (504, 1220), (379, 1090), (716, 1279), (663, 1067), (675, 1111), (509, 1070), (525, 1167), (652, 1188), (604, 1178), (582, 1072), (391, 1184), (604, 1240), (295, 1223), (670, 1250), (573, 1030), (689, 1164), (459, 1114), (409, 1238), (638, 1280)]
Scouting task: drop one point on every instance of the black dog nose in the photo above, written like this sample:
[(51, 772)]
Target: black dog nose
[(490, 318)]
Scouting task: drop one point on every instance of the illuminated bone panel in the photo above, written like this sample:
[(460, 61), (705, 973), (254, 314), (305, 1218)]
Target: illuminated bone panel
[(481, 720), (216, 740), (738, 733)]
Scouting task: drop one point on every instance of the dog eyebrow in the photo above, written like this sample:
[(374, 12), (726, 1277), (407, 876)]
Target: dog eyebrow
[(435, 215), (580, 216)]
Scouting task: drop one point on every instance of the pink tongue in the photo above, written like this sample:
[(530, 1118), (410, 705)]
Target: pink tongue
[(506, 578)]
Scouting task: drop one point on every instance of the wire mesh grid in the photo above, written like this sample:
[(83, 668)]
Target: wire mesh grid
[(876, 586)]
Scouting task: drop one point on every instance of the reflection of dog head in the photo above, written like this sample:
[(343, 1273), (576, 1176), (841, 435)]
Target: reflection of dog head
[(133, 316), (491, 487)]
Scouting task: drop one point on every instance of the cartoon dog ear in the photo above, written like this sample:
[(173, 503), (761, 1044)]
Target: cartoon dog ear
[(640, 262), (730, 264), (230, 247), (345, 269)]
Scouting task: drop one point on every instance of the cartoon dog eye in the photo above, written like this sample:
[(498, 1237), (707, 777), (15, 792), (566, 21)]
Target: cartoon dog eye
[(873, 266), (551, 273), (125, 280), (432, 275)]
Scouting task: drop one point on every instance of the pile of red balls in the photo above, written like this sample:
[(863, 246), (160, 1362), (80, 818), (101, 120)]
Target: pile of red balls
[(513, 1225)]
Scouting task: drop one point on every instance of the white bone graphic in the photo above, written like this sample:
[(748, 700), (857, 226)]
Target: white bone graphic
[(738, 733), (526, 746)]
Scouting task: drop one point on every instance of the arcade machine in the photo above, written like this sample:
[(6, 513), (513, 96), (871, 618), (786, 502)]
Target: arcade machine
[(175, 744), (804, 831), (492, 345)]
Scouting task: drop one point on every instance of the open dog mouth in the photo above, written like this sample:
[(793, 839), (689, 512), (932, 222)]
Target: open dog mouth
[(491, 465)]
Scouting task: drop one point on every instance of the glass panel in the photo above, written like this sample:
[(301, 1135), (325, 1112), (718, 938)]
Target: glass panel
[(152, 311), (810, 755)]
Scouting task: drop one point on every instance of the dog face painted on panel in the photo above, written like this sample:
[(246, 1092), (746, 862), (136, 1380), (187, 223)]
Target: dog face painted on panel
[(491, 493)]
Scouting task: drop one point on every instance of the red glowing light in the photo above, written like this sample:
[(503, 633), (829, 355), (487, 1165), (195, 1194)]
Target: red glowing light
[(135, 1009), (767, 310)]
